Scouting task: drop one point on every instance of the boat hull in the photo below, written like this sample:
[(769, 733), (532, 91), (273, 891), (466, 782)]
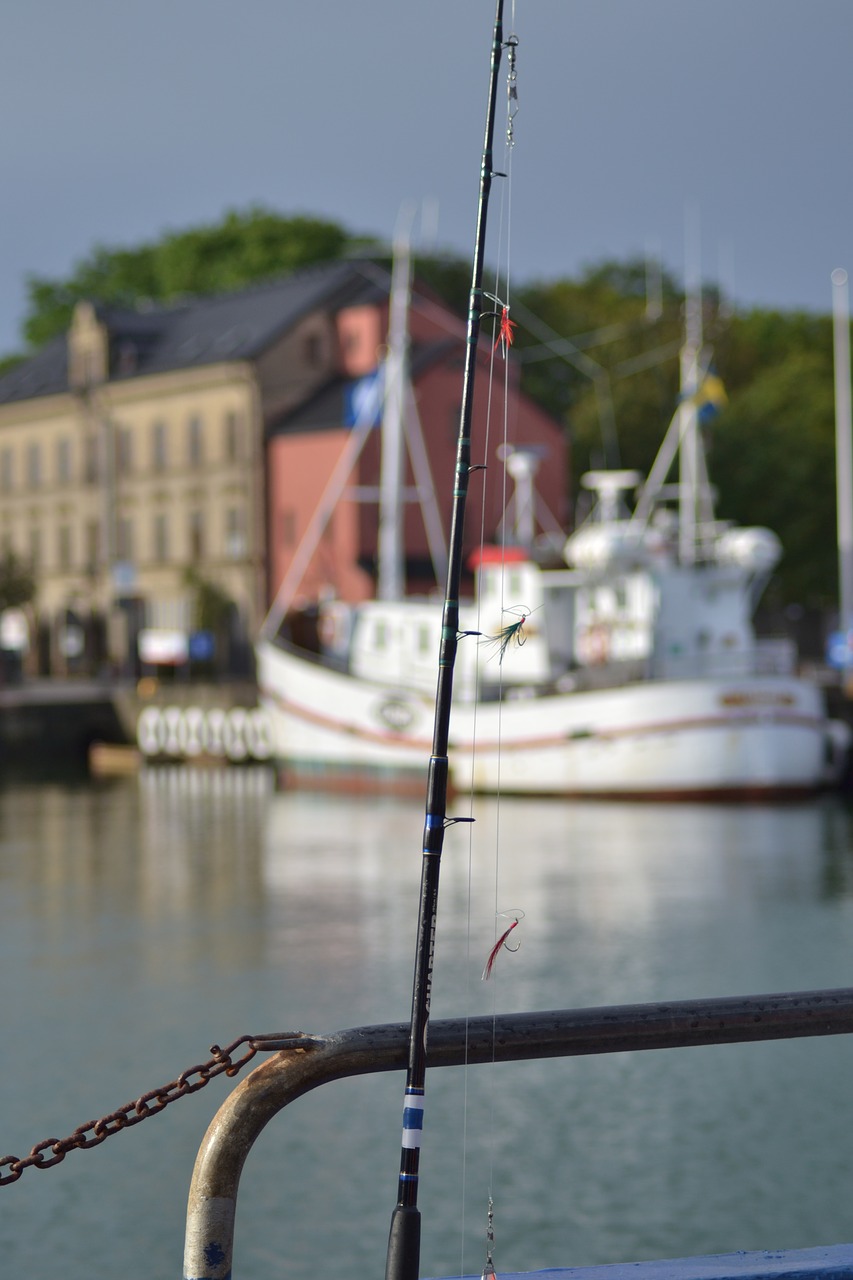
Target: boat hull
[(753, 736), (750, 737), (331, 730)]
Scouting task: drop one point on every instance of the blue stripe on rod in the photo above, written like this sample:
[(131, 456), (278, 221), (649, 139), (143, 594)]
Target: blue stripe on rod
[(413, 1118)]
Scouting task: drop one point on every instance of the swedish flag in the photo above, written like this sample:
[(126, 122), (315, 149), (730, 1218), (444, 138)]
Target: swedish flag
[(711, 397)]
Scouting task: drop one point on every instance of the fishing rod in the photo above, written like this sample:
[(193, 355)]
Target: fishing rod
[(403, 1256)]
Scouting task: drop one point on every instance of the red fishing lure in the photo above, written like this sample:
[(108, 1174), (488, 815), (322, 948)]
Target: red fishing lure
[(506, 332), (501, 943)]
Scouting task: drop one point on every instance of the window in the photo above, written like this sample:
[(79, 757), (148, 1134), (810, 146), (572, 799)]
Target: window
[(196, 535), (124, 451), (158, 447), (232, 437), (35, 549), (33, 466), (87, 366), (64, 555), (91, 470), (7, 470), (63, 461), (235, 533), (92, 536), (124, 539), (161, 538), (194, 442), (313, 350)]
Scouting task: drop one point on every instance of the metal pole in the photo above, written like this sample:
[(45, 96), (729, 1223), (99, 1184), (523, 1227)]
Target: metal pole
[(843, 449), (303, 1062), (391, 577), (688, 409), (404, 1238)]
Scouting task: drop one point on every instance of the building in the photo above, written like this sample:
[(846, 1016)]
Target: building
[(158, 466), (324, 533)]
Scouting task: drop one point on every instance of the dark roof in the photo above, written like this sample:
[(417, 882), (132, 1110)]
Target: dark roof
[(325, 408), (200, 331)]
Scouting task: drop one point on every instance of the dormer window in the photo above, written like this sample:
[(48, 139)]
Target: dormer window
[(88, 348), (127, 359)]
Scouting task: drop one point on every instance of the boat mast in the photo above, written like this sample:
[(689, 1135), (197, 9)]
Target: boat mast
[(688, 428), (390, 585), (403, 1257), (843, 449)]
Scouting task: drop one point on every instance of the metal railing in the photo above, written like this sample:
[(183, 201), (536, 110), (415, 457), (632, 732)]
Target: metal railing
[(302, 1062)]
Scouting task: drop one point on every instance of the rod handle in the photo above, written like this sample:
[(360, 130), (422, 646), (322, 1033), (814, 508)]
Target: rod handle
[(404, 1244)]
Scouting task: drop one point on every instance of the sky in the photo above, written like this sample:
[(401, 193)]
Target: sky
[(636, 119)]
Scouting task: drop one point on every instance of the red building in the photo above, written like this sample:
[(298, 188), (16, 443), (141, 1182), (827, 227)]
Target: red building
[(323, 532)]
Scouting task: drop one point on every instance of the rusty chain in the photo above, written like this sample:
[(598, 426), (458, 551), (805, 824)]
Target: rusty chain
[(95, 1132)]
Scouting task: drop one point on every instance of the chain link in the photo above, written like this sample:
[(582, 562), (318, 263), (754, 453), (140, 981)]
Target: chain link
[(54, 1150)]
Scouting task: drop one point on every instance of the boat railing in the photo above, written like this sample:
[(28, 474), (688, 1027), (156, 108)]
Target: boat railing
[(776, 656), (301, 1062), (771, 657), (318, 657)]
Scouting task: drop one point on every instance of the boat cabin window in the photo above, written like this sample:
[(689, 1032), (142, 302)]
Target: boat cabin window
[(380, 634), (424, 645)]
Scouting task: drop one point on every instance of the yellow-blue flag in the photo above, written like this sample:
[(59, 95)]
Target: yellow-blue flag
[(711, 397)]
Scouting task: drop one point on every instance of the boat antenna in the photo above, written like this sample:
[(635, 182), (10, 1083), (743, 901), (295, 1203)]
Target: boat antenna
[(403, 1257)]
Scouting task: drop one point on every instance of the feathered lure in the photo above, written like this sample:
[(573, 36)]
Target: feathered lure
[(502, 943), (506, 333), (513, 632)]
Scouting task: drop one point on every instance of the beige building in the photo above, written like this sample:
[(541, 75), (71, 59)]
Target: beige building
[(158, 460), (132, 469)]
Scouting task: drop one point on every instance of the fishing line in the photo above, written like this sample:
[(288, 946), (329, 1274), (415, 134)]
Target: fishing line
[(476, 667), (502, 341)]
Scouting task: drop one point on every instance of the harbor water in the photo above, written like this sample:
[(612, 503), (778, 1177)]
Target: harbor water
[(144, 919)]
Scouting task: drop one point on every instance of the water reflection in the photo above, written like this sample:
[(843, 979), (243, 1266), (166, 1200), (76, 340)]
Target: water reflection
[(141, 920)]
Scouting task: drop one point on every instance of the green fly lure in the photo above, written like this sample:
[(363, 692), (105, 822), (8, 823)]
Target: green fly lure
[(513, 632)]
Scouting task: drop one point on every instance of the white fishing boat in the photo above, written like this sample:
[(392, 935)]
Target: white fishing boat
[(646, 632), (636, 670)]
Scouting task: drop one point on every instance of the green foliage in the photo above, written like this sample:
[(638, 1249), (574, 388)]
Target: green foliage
[(239, 250), (773, 460), (449, 277), (17, 584), (614, 385), (211, 605), (9, 362), (771, 451), (593, 351)]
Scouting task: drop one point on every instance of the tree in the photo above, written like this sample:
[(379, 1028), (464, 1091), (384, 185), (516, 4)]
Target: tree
[(17, 584), (773, 460), (614, 383), (239, 250)]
